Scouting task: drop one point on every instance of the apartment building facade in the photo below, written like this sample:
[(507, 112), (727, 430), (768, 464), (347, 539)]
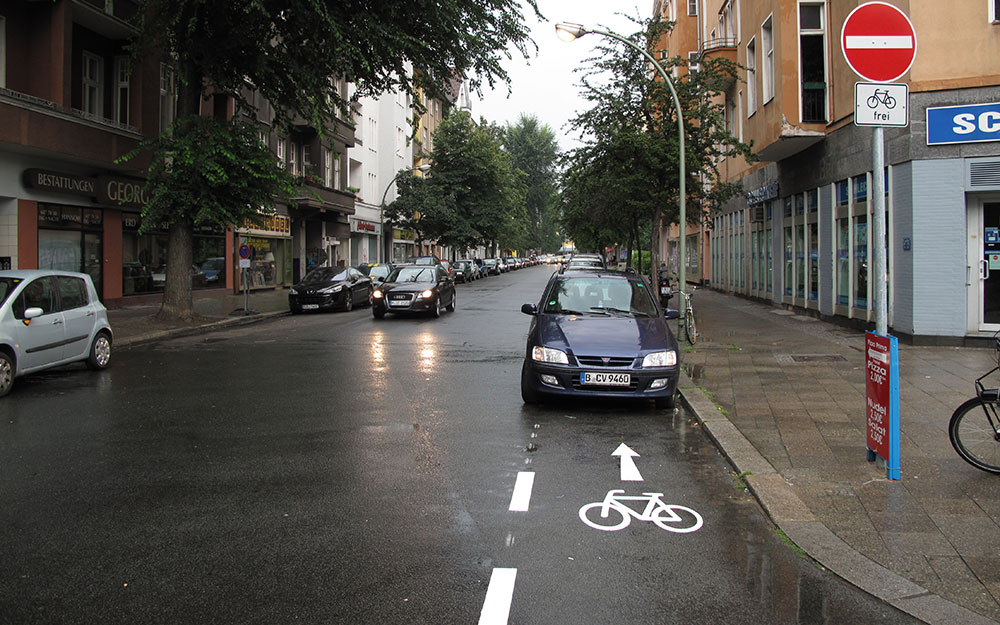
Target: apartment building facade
[(71, 104), (800, 235)]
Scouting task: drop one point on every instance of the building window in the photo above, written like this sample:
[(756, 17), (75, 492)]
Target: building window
[(293, 158), (168, 97), (812, 61), (93, 84), (692, 7), (123, 71), (3, 52), (751, 78), (280, 149), (336, 171), (767, 60), (994, 12), (328, 168)]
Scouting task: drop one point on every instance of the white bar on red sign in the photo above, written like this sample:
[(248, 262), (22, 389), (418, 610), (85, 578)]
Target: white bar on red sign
[(878, 42)]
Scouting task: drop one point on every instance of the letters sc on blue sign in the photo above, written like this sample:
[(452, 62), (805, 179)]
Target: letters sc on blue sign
[(969, 123)]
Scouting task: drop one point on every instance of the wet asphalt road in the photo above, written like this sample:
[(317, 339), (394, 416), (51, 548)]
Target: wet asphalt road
[(336, 469)]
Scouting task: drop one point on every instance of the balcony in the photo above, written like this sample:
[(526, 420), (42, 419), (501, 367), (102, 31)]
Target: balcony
[(314, 195), (721, 49)]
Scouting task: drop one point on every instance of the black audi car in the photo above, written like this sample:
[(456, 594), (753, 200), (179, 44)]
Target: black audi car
[(599, 333), (326, 288), (415, 289)]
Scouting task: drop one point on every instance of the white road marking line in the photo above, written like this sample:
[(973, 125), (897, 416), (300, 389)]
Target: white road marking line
[(875, 42), (522, 491), (496, 608)]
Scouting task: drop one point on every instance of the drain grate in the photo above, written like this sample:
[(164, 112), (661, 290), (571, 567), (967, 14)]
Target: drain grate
[(791, 359)]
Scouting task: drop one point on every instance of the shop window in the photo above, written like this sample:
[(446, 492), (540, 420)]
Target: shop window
[(812, 200), (787, 207), (788, 274), (800, 204), (144, 257), (800, 261), (92, 85), (861, 261), (813, 262), (769, 242), (70, 239), (842, 199), (843, 262)]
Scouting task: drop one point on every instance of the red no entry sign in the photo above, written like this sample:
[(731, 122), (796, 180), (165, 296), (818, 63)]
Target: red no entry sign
[(879, 42)]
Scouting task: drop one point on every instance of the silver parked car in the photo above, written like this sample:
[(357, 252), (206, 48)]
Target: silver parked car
[(50, 318)]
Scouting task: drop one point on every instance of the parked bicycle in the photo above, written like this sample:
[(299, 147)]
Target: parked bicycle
[(690, 327), (667, 516), (974, 429)]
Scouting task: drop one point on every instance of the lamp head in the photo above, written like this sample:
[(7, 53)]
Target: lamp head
[(568, 31)]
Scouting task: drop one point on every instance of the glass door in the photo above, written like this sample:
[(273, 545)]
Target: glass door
[(989, 267)]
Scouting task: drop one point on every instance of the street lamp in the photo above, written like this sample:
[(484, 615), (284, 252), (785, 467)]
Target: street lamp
[(387, 240), (567, 31)]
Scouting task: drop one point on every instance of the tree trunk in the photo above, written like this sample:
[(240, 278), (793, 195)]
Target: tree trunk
[(177, 301)]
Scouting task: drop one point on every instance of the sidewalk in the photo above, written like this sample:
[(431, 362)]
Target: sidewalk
[(215, 308), (783, 395)]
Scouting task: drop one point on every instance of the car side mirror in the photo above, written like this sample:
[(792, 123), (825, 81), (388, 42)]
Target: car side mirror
[(671, 313), (529, 309), (34, 311)]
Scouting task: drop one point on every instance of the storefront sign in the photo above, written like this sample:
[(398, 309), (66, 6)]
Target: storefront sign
[(882, 400), (121, 191), (762, 194), (404, 235), (365, 227), (270, 225), (973, 123), (59, 182)]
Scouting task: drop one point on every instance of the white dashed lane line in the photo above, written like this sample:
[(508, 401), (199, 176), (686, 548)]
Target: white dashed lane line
[(522, 491), (496, 608)]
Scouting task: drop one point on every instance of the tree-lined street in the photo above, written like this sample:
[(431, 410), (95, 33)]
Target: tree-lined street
[(334, 468)]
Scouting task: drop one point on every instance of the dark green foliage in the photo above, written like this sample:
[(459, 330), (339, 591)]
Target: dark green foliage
[(534, 152)]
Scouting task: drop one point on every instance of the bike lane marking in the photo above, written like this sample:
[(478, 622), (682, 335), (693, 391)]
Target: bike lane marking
[(522, 492), (496, 607)]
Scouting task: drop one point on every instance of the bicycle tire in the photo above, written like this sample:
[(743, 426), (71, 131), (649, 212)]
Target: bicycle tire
[(626, 518), (690, 328), (874, 99), (974, 436), (671, 509)]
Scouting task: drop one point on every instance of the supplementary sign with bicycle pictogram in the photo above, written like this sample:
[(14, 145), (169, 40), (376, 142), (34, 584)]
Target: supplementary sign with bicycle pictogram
[(881, 104)]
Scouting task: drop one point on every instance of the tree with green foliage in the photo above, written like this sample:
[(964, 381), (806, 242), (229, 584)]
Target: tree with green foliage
[(289, 51), (534, 151), (472, 195), (624, 178)]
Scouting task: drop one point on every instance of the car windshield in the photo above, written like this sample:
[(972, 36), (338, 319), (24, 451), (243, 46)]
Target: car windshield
[(7, 286), (599, 295), (413, 274), (325, 274)]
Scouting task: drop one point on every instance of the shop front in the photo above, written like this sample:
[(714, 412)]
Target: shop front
[(270, 247), (365, 236), (404, 244)]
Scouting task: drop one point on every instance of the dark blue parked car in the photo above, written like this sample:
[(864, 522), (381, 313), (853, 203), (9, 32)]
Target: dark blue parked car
[(599, 333)]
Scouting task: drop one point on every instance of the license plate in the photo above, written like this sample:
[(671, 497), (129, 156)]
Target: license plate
[(310, 306), (399, 302), (665, 290), (605, 379)]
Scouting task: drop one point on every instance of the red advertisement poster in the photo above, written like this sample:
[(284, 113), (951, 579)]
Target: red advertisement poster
[(877, 383)]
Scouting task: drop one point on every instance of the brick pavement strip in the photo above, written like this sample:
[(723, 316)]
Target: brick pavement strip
[(794, 428)]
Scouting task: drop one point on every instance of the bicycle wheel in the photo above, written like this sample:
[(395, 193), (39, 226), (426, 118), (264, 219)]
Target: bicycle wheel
[(685, 522), (690, 329), (605, 525), (890, 102), (873, 101), (973, 434)]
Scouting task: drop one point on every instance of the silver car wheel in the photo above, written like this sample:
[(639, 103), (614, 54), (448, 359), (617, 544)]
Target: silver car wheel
[(6, 374)]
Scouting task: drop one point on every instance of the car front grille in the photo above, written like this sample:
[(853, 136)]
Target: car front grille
[(396, 299), (599, 361)]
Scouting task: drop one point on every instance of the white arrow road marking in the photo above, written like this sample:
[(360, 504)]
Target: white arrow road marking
[(876, 42), (630, 473), (496, 608), (522, 491)]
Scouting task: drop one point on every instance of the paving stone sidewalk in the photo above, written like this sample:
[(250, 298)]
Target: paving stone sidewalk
[(794, 387)]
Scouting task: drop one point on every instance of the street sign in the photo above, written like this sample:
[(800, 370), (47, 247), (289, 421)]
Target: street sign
[(879, 42), (881, 104), (244, 251)]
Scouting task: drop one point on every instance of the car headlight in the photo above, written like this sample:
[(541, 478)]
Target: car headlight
[(549, 354), (377, 294), (660, 359), (426, 294), (332, 289), (292, 291)]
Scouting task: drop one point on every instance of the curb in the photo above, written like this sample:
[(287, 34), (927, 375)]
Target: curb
[(792, 516), (201, 329)]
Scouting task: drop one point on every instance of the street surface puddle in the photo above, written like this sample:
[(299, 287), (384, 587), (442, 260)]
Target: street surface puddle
[(389, 427)]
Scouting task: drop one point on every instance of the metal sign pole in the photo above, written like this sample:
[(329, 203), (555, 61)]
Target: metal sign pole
[(879, 243)]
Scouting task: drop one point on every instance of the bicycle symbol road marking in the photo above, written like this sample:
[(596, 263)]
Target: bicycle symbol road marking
[(670, 517)]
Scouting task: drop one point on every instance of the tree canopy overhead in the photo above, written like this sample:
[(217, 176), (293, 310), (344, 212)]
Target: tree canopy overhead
[(291, 52)]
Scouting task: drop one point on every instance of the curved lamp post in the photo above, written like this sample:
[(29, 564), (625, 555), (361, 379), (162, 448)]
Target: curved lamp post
[(387, 240), (568, 31)]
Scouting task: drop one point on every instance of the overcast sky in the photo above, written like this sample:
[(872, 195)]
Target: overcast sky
[(546, 86)]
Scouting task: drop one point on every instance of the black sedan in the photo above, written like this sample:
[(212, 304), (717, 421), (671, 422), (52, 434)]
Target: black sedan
[(326, 288), (599, 334), (415, 289)]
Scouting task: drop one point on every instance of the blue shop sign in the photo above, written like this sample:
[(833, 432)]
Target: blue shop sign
[(968, 123)]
